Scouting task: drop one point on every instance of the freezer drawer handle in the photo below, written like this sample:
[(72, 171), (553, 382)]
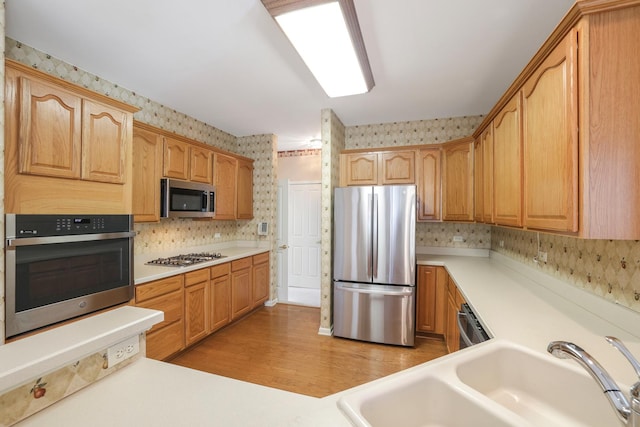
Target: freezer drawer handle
[(401, 292)]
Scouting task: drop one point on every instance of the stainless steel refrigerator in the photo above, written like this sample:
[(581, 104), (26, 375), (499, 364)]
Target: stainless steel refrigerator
[(374, 263)]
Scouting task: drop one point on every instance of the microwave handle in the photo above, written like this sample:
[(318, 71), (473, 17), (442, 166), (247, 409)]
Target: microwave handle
[(31, 241)]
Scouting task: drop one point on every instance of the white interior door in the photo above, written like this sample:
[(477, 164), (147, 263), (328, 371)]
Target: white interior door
[(282, 241), (304, 235)]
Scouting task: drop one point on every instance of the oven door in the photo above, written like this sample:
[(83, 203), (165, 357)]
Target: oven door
[(50, 279)]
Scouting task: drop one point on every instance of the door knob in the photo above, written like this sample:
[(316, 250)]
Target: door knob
[(284, 247)]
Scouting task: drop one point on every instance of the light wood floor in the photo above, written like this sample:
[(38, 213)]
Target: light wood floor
[(280, 347)]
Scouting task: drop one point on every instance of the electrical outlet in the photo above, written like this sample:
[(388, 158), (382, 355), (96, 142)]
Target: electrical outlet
[(123, 350), (542, 256), (216, 235), (502, 243), (458, 239)]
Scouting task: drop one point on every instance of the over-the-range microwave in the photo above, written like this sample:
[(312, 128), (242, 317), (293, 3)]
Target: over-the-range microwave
[(184, 199)]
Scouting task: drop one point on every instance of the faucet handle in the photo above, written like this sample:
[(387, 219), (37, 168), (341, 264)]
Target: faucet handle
[(625, 351)]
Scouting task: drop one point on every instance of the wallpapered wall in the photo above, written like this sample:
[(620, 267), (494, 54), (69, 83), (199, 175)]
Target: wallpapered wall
[(333, 142), (170, 233)]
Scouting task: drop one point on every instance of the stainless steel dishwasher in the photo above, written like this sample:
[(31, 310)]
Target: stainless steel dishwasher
[(471, 331)]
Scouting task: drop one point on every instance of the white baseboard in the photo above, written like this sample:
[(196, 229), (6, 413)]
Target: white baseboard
[(326, 331), (271, 302)]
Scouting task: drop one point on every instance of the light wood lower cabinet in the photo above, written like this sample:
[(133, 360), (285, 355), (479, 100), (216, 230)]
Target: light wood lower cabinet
[(454, 301), (220, 294), (241, 302), (196, 305), (260, 279), (431, 298), (167, 337)]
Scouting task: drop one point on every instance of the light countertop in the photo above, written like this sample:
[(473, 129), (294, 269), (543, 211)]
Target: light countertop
[(231, 251), (514, 302)]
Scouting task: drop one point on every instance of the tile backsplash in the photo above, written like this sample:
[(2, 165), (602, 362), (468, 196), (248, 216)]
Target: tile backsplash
[(607, 268)]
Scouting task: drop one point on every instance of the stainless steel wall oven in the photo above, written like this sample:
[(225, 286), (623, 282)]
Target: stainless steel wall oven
[(62, 266)]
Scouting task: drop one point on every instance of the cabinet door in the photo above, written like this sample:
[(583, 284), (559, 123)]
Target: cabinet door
[(50, 134), (220, 302), (245, 190), (147, 171), (201, 165), (507, 164), (550, 123), (176, 159), (105, 142), (225, 177), (478, 180), (453, 333), (260, 279), (398, 167), (196, 305), (457, 182), (426, 295), (429, 184), (487, 174), (241, 278), (360, 169)]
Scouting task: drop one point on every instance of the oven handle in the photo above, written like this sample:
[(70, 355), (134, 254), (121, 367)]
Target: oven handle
[(32, 241), (463, 333)]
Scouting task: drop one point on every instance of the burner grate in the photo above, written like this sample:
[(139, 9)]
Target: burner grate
[(184, 260)]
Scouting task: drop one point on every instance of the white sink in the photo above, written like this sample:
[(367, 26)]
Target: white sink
[(493, 384), (541, 389)]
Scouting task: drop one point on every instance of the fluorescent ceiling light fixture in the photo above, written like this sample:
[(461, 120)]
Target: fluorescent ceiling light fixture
[(327, 36)]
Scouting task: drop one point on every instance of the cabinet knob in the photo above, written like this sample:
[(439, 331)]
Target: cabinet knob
[(284, 247)]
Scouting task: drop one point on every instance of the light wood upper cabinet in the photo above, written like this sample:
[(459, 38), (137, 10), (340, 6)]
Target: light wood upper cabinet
[(201, 169), (478, 188), (244, 209), (225, 171), (487, 175), (56, 130), (550, 141), (359, 169), (50, 133), (428, 184), (104, 142), (147, 170), (176, 159), (397, 167), (610, 124), (507, 165), (457, 181), (377, 168)]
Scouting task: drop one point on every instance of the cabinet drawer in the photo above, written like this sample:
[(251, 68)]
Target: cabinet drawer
[(159, 287), (195, 277), (220, 270), (171, 304), (241, 264), (165, 342), (261, 258)]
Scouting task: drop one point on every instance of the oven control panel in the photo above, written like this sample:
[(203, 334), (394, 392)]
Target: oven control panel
[(59, 225)]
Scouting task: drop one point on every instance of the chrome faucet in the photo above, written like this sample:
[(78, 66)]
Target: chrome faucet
[(629, 414)]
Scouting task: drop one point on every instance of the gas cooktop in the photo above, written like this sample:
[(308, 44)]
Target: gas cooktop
[(185, 260)]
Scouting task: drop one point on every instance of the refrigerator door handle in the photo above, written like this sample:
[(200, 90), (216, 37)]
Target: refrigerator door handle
[(377, 290), (374, 237)]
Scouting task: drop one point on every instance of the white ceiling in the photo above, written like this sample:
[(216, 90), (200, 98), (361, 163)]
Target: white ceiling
[(225, 62)]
